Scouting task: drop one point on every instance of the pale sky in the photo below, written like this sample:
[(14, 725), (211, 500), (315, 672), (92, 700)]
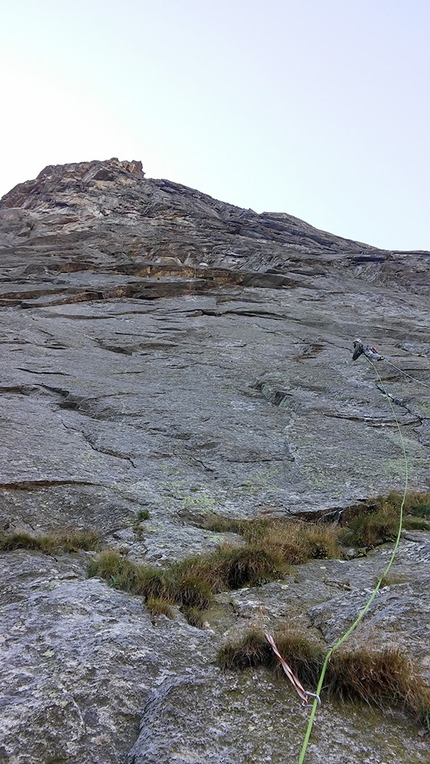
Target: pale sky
[(317, 108)]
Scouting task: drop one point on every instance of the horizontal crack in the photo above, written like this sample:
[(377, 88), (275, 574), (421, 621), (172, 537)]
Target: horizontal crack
[(373, 421), (30, 485), (36, 371)]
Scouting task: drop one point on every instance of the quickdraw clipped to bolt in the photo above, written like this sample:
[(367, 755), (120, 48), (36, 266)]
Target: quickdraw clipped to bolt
[(303, 694)]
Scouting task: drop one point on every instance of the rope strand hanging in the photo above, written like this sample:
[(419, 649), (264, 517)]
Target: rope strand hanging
[(370, 356)]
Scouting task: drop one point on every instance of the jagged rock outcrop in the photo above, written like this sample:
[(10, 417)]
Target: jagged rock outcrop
[(167, 352)]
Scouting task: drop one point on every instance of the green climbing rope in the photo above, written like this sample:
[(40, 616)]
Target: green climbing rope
[(366, 607)]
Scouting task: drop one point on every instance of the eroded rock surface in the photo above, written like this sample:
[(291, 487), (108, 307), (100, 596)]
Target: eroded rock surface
[(166, 352)]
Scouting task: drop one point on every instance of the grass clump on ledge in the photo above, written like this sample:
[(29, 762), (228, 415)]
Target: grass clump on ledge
[(158, 606), (270, 548), (59, 541), (294, 542), (190, 584), (366, 524), (377, 677), (377, 520)]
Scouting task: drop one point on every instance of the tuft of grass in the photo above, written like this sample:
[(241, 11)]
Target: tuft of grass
[(247, 566), (298, 542), (194, 616), (157, 606), (252, 650), (59, 541), (370, 530), (120, 573), (11, 541), (251, 530), (291, 542), (107, 564), (416, 504), (143, 514), (176, 585), (303, 656), (392, 581), (411, 523), (190, 591), (232, 567), (72, 541), (377, 520), (271, 547), (190, 584), (382, 678), (377, 677)]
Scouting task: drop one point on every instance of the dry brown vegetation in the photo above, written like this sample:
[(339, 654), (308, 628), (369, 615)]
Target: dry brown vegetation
[(377, 520), (269, 548), (368, 524), (158, 606), (379, 677), (189, 584), (59, 541), (293, 542)]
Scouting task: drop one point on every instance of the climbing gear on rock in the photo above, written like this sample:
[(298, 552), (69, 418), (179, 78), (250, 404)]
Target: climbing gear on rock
[(304, 694), (370, 352)]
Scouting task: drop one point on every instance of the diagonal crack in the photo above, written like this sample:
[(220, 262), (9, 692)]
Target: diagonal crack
[(99, 449)]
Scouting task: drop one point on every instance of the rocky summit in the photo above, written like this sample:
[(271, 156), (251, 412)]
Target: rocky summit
[(167, 358)]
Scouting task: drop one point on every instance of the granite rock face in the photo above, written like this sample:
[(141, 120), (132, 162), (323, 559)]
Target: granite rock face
[(166, 352)]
